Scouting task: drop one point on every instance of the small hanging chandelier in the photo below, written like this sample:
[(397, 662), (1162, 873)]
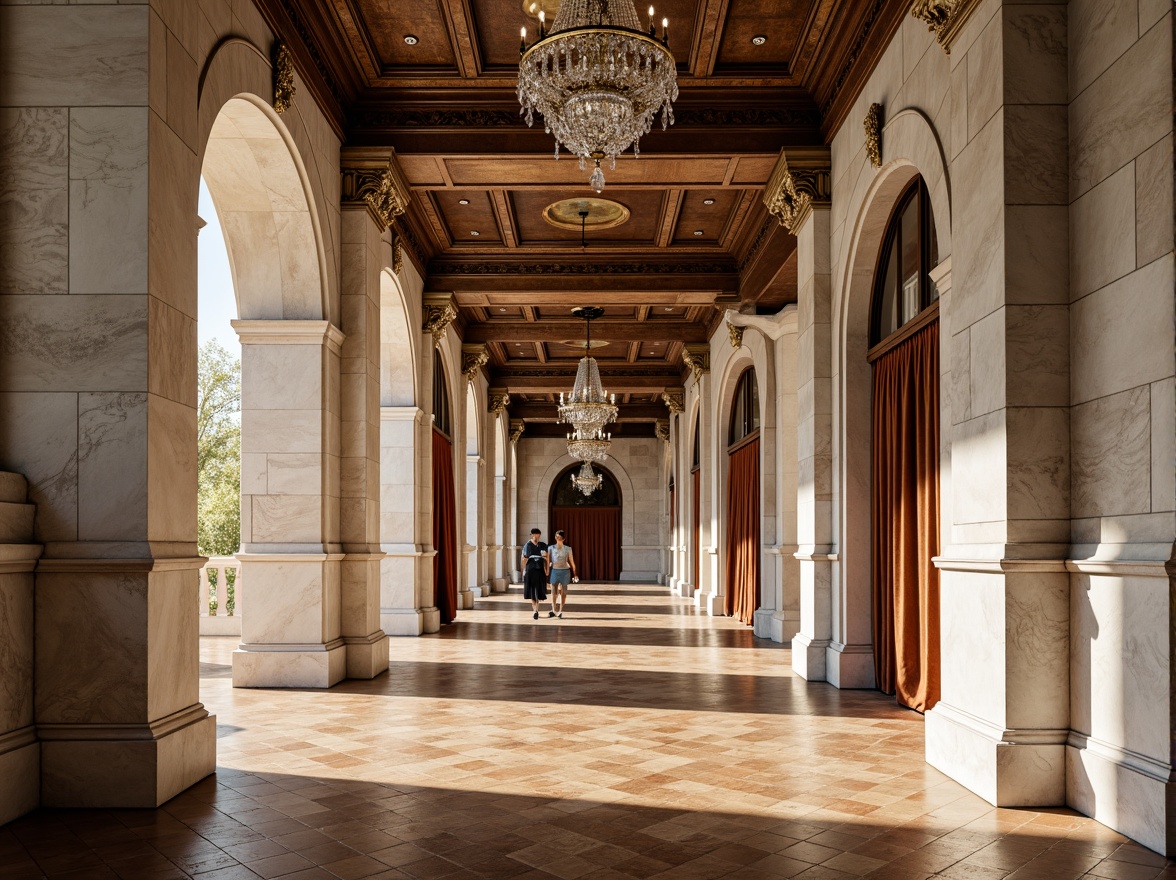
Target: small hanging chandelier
[(588, 408), (587, 480), (598, 78), (589, 446)]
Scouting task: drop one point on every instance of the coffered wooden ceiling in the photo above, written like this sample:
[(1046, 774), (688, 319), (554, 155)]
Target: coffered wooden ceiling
[(697, 236)]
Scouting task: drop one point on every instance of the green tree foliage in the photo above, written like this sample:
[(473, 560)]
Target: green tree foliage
[(218, 452)]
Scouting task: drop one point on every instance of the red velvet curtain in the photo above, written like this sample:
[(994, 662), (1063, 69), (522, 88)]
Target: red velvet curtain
[(696, 524), (743, 533), (905, 519), (444, 529), (594, 534)]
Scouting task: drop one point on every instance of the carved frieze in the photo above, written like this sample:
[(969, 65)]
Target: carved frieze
[(375, 181), (517, 426), (662, 429), (697, 358), (796, 184), (499, 400), (675, 399), (440, 312), (284, 87), (735, 334), (397, 254), (943, 17), (873, 127), (474, 356), (617, 267)]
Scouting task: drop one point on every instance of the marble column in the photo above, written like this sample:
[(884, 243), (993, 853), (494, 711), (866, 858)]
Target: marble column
[(471, 527), (707, 595), (365, 253)]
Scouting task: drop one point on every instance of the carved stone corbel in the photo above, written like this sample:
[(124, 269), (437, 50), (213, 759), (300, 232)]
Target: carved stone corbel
[(517, 426), (800, 179), (735, 334), (284, 87), (697, 357), (498, 400), (873, 127), (373, 179), (662, 429), (943, 17), (675, 400), (397, 254), (474, 356), (440, 312)]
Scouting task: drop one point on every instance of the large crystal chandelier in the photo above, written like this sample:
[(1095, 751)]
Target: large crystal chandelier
[(587, 480), (588, 409), (589, 446), (598, 79)]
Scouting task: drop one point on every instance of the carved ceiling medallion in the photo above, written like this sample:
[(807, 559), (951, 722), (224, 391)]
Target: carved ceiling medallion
[(600, 214)]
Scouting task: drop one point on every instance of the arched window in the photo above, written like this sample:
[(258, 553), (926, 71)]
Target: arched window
[(903, 291), (697, 454), (745, 416), (441, 417)]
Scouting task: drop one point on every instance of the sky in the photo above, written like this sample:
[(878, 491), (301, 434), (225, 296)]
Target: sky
[(216, 305)]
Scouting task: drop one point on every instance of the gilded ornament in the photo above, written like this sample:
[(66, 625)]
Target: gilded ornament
[(662, 429), (284, 87), (697, 358), (675, 399), (374, 180), (397, 254), (517, 426), (943, 17), (791, 193), (473, 358), (873, 126), (498, 400), (735, 334), (440, 312)]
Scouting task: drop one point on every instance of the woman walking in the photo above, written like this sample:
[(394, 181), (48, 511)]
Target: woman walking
[(563, 572), (535, 566)]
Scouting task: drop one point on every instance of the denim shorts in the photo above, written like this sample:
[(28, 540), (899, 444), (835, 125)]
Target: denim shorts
[(561, 576)]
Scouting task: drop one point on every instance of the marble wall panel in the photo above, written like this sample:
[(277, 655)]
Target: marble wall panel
[(1123, 112), (988, 361), (254, 473), (171, 470), (1037, 355), (302, 293), (16, 651), (172, 197), (978, 241), (1153, 202), (287, 519), (281, 377), (173, 650), (985, 61), (1037, 640), (1037, 252), (34, 188), (171, 353), (1038, 461), (98, 57), (1121, 335), (281, 430), (295, 597), (978, 452), (1035, 52), (293, 474), (1100, 32), (75, 343), (39, 439), (1111, 454), (1102, 233), (181, 85), (1163, 451), (972, 618), (108, 200), (252, 242), (112, 471), (1036, 171)]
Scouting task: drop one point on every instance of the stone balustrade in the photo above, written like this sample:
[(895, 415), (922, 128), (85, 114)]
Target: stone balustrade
[(219, 608)]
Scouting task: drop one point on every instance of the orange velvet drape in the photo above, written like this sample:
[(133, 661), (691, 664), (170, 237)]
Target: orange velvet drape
[(905, 514), (444, 529), (743, 533), (696, 524), (594, 534)]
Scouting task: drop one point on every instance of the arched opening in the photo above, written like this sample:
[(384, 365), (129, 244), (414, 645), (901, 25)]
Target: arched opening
[(473, 489), (590, 522), (695, 504), (444, 498), (742, 596), (904, 537)]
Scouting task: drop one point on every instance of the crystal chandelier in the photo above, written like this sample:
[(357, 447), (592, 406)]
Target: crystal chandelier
[(587, 481), (589, 446), (589, 408), (598, 79)]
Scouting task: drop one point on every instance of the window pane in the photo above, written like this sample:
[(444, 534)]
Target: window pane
[(932, 249), (911, 265), (753, 402), (888, 303)]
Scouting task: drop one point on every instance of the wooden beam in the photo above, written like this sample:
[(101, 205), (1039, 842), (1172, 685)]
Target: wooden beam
[(547, 412), (555, 382), (558, 331)]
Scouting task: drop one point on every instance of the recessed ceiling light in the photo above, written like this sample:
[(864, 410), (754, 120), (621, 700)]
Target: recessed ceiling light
[(463, 201), (669, 308), (411, 39), (698, 232), (708, 201), (474, 232), (758, 40), (501, 309)]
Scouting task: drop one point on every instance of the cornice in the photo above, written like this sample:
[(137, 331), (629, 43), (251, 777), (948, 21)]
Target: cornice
[(454, 267), (880, 24), (375, 180)]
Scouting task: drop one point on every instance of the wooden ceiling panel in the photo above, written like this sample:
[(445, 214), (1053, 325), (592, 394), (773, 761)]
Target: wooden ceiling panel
[(711, 220), (641, 227), (463, 221), (504, 313), (387, 27), (651, 169), (785, 23)]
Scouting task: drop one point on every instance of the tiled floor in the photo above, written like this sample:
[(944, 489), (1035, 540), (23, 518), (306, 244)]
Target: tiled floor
[(635, 738)]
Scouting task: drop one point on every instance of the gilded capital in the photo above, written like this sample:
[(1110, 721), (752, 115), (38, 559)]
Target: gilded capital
[(675, 399), (517, 426), (662, 429), (498, 400), (373, 179), (735, 334), (798, 181), (943, 17), (284, 87), (473, 357), (697, 357), (440, 312), (873, 127)]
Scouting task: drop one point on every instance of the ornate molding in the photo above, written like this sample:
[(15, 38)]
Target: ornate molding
[(675, 400), (697, 358), (440, 312), (735, 334), (517, 426), (662, 429), (943, 17), (284, 87), (701, 117), (397, 254), (473, 358), (375, 181), (854, 53), (873, 127), (760, 237), (498, 400), (619, 267), (794, 188)]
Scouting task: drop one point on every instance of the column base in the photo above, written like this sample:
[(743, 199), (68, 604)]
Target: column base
[(849, 666), (430, 620), (808, 657), (367, 656), (103, 766), (20, 768), (761, 623), (711, 603), (685, 590), (498, 585), (402, 621), (784, 626), (1008, 768), (1124, 790), (465, 599), (301, 666)]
